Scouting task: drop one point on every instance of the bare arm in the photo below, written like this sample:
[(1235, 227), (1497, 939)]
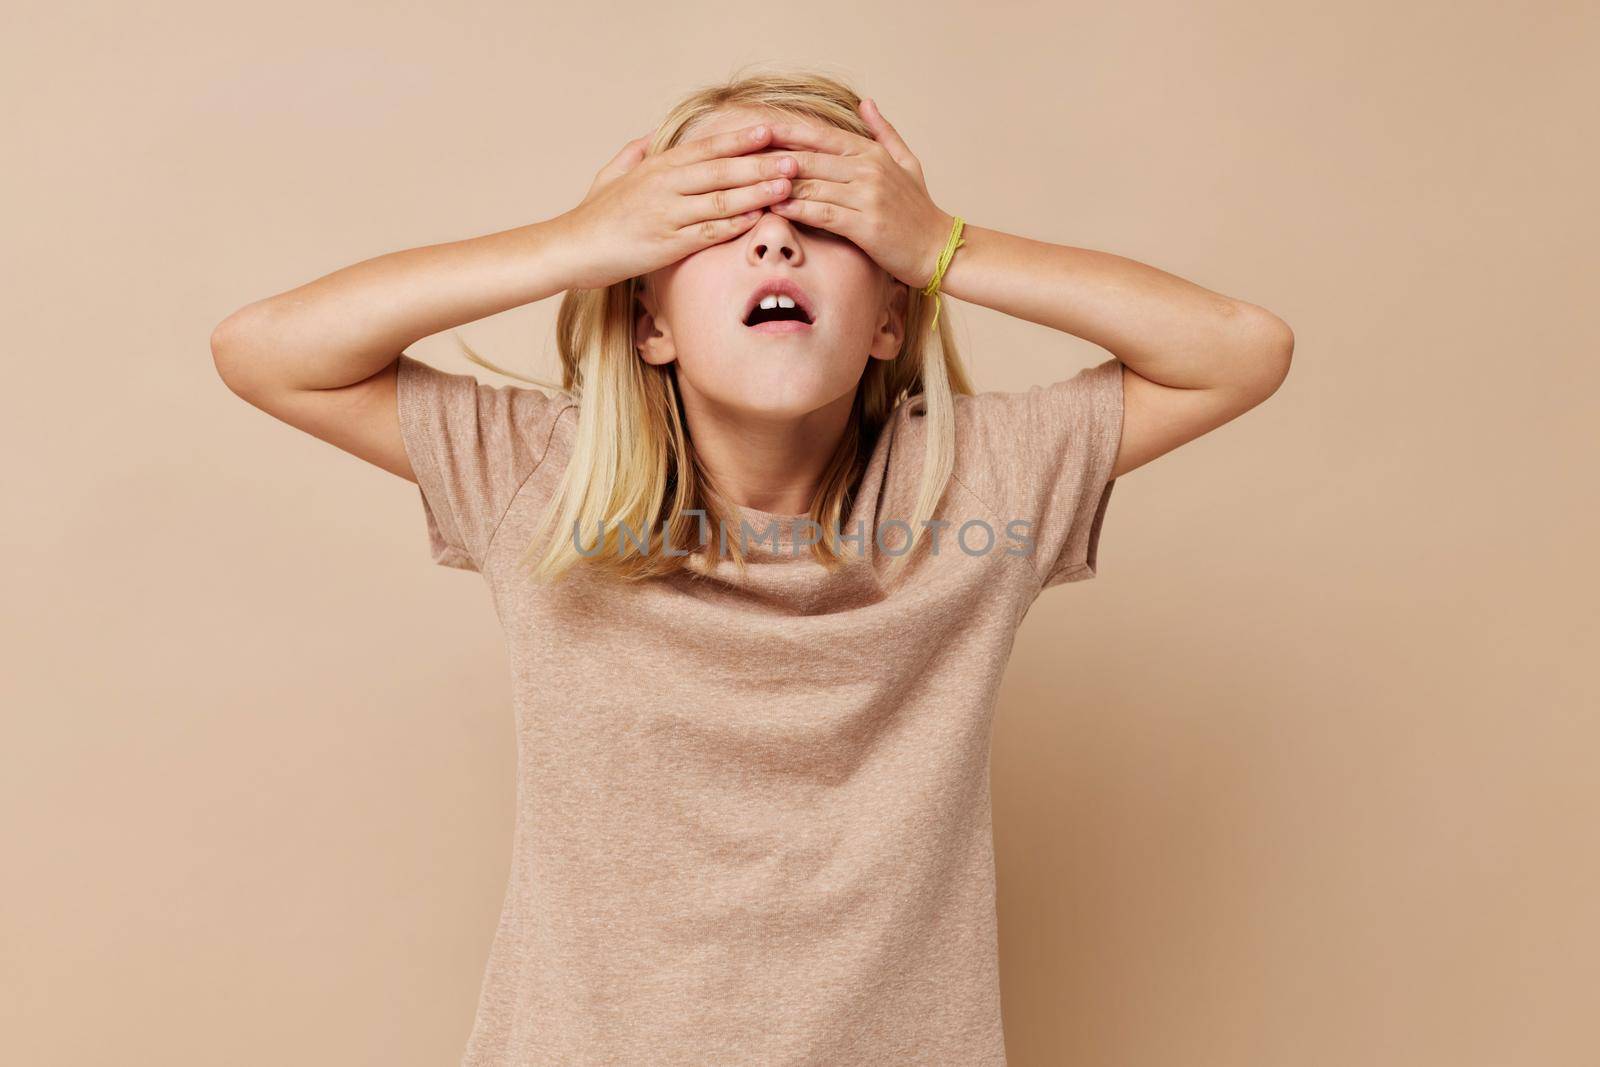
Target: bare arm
[(321, 356), (1195, 358)]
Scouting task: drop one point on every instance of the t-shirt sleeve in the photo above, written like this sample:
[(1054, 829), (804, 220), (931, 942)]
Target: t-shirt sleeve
[(1044, 456), (472, 447)]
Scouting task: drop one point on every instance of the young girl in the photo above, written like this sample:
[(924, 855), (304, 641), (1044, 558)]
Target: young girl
[(759, 562)]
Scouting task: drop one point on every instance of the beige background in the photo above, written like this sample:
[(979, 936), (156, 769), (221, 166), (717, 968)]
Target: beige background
[(1307, 776)]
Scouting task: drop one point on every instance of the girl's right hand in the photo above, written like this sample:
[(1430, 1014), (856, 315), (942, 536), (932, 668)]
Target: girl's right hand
[(643, 213)]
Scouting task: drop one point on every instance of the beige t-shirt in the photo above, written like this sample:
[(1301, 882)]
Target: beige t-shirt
[(753, 821)]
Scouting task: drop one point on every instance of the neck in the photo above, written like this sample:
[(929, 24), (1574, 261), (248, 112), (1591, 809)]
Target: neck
[(768, 463)]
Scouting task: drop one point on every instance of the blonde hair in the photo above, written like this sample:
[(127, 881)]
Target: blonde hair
[(632, 461)]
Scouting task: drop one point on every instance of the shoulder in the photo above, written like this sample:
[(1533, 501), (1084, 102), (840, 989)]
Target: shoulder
[(1010, 444), (514, 422), (473, 448)]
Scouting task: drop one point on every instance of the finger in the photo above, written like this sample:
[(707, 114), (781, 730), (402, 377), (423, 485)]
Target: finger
[(823, 214), (827, 166), (727, 143), (730, 171), (887, 135), (628, 157), (722, 203), (845, 194), (715, 231), (822, 138)]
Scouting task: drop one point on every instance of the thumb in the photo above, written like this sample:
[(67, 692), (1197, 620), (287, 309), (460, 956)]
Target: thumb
[(628, 157), (887, 135)]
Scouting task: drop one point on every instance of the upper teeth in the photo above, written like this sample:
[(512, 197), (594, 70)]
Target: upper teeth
[(776, 300)]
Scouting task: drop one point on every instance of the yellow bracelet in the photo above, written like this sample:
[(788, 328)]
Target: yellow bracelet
[(950, 246)]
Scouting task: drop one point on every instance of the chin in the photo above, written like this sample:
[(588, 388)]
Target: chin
[(773, 404), (778, 391)]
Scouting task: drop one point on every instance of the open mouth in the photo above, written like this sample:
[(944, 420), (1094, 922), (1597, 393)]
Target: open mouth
[(777, 309), (779, 305)]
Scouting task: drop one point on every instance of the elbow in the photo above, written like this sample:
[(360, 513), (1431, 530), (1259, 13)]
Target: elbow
[(222, 342), (224, 352), (1268, 345), (229, 343)]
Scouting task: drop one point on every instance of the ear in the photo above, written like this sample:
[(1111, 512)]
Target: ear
[(891, 332), (652, 340)]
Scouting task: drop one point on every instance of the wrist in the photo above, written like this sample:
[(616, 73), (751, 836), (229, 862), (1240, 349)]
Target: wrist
[(558, 247), (941, 232)]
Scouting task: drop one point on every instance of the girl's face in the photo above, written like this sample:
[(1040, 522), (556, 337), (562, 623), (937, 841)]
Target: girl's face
[(694, 311)]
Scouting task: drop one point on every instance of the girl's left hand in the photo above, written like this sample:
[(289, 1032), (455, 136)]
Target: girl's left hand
[(868, 191)]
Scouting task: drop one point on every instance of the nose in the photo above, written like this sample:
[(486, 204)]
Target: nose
[(772, 238)]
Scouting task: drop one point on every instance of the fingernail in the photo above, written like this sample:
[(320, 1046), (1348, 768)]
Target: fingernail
[(758, 133)]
